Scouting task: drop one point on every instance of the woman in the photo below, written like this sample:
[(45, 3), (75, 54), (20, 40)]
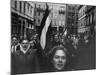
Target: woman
[(59, 59)]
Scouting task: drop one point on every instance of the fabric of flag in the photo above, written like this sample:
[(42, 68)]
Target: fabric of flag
[(45, 23), (44, 31)]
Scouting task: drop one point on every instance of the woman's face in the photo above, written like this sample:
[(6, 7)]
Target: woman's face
[(59, 59)]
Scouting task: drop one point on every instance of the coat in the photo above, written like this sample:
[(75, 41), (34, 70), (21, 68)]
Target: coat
[(25, 63)]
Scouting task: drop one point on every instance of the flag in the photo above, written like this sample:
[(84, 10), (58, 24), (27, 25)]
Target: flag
[(45, 23)]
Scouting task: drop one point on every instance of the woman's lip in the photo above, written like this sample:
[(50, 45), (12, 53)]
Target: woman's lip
[(59, 65)]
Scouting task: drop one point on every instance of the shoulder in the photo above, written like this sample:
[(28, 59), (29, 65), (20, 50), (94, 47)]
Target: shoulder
[(17, 47), (18, 50)]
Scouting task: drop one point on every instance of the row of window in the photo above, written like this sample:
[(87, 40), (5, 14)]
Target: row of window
[(54, 23), (58, 23), (39, 16), (41, 6), (23, 7), (91, 19)]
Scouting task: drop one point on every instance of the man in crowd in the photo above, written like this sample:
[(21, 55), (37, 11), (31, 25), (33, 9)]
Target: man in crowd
[(14, 44), (25, 59)]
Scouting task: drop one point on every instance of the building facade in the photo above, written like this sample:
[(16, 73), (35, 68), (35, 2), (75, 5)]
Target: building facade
[(82, 19), (22, 15), (38, 12), (86, 19), (91, 19), (57, 14), (71, 18)]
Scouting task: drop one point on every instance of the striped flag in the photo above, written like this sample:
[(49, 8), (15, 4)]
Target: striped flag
[(45, 23)]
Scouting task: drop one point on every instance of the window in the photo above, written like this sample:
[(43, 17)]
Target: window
[(38, 21), (81, 25), (30, 10), (20, 6), (19, 21), (53, 22), (24, 6), (73, 8), (63, 23), (92, 18), (88, 20), (39, 6), (42, 14), (28, 7), (15, 4), (38, 13), (23, 22), (69, 7)]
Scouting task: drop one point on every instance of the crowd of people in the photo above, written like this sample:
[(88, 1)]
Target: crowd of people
[(28, 57)]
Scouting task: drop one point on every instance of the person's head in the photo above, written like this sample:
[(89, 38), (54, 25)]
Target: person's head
[(25, 44), (59, 57), (14, 41)]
